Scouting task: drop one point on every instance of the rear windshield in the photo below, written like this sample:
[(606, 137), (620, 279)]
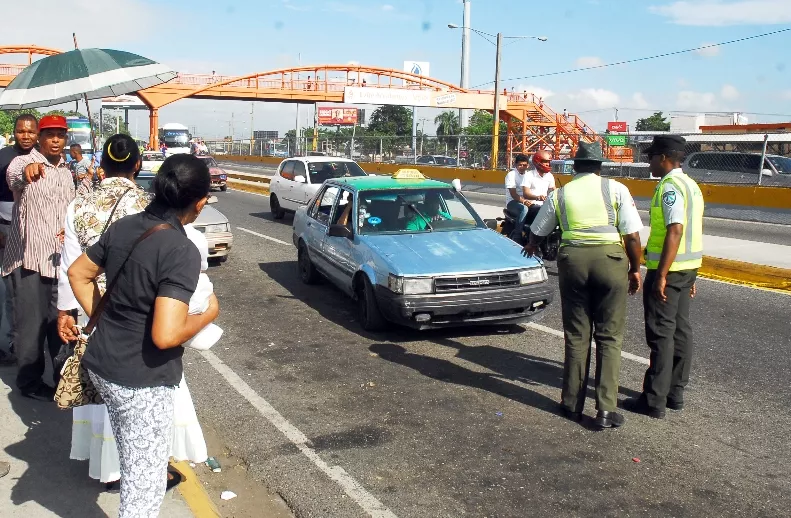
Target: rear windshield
[(320, 171)]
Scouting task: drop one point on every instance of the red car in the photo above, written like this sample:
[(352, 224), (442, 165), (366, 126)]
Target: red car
[(218, 175)]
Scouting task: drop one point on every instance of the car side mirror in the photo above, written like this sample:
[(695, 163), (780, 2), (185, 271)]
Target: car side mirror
[(456, 183), (340, 231), (213, 199), (300, 179), (766, 172)]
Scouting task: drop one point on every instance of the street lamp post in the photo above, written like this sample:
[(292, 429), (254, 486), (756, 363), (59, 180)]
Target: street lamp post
[(496, 115)]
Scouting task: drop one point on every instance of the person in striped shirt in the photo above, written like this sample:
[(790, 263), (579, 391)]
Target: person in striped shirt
[(43, 188)]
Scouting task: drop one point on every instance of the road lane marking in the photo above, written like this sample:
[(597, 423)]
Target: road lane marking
[(369, 503), (262, 236), (559, 334)]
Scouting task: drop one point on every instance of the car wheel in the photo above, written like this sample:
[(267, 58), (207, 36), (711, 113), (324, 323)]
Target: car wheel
[(307, 272), (275, 208), (224, 188), (370, 316)]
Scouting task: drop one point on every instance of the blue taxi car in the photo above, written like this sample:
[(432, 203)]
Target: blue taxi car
[(413, 251)]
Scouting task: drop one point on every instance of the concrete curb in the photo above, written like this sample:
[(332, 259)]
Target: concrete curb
[(726, 270), (193, 493)]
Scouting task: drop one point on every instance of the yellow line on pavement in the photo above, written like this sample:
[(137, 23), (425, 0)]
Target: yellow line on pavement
[(194, 494)]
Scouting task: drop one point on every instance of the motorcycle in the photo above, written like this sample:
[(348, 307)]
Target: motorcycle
[(549, 246)]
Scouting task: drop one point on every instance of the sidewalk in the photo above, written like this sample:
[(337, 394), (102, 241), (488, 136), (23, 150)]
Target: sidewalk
[(767, 254), (35, 437)]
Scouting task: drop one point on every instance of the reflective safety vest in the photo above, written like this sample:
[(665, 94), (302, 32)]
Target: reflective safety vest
[(690, 250), (586, 209)]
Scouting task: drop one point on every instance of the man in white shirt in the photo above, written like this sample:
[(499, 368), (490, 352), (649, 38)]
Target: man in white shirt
[(538, 183), (515, 201)]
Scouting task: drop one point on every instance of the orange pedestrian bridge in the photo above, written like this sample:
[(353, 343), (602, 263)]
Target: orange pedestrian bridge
[(531, 124)]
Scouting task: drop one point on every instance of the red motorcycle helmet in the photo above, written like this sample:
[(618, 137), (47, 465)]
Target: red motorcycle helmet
[(542, 161)]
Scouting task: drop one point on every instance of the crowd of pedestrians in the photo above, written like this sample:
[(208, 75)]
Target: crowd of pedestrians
[(74, 247)]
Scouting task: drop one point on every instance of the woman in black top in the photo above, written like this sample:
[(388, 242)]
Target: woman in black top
[(134, 355)]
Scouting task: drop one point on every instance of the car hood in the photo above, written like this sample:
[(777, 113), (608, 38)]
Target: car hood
[(214, 171), (210, 216), (448, 252)]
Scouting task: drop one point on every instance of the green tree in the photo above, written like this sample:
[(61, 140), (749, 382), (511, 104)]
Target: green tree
[(479, 133), (448, 128), (655, 122), (109, 125), (391, 120), (7, 119)]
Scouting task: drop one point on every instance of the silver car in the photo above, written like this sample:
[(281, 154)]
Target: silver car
[(738, 168)]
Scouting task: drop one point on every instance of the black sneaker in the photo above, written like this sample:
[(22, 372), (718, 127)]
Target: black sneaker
[(639, 405), (675, 405)]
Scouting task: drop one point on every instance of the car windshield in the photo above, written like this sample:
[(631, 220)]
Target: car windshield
[(414, 210), (209, 161), (320, 171), (781, 163), (144, 181), (153, 157)]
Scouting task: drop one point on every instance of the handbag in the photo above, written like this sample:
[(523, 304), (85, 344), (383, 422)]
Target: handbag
[(75, 387)]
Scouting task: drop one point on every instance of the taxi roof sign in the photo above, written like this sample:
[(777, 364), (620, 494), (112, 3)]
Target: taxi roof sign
[(408, 174)]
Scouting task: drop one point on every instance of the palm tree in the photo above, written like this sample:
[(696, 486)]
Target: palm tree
[(448, 128)]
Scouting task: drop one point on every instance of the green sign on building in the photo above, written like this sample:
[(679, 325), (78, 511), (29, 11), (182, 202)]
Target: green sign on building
[(617, 140)]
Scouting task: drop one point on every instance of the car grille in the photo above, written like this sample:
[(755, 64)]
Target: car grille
[(491, 281)]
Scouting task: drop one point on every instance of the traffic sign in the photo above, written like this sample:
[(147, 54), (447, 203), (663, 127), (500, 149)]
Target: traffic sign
[(616, 127), (617, 140)]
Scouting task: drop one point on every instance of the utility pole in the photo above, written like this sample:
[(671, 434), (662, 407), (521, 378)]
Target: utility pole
[(252, 120), (465, 59), (296, 130), (496, 125)]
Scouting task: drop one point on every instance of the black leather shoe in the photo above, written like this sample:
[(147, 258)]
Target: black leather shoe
[(675, 405), (42, 392), (605, 419), (639, 405), (570, 414)]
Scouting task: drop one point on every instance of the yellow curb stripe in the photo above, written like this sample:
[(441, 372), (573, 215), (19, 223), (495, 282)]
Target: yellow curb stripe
[(194, 494)]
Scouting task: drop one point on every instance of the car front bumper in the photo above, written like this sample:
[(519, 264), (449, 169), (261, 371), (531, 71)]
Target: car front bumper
[(220, 244), (485, 307), (217, 182)]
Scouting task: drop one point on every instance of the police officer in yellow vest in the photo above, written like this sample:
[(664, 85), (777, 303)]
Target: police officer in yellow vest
[(673, 256), (598, 264)]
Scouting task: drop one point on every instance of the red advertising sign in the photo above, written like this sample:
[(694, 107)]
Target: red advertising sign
[(337, 116), (616, 127)]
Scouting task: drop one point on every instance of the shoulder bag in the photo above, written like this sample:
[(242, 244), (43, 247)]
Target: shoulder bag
[(75, 387)]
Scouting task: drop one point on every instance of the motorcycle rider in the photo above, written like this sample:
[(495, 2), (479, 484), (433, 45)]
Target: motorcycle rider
[(538, 183), (516, 203)]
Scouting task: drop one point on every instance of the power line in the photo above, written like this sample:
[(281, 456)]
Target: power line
[(666, 54)]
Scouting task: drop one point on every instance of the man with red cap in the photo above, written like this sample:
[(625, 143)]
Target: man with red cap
[(43, 188)]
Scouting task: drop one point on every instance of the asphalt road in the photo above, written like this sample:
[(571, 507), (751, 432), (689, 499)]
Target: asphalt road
[(463, 422), (715, 226)]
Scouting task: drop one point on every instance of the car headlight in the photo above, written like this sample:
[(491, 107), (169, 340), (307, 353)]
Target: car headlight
[(219, 227), (410, 286), (533, 275)]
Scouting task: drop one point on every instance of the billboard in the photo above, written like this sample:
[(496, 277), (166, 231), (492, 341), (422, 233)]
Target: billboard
[(419, 68), (123, 102), (337, 116), (268, 135), (617, 140), (616, 127)]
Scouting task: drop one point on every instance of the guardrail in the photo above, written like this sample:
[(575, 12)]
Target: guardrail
[(752, 197)]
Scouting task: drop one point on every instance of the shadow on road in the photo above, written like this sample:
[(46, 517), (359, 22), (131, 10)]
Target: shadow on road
[(51, 480)]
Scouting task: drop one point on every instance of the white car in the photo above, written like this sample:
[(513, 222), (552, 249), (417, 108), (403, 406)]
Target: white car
[(298, 179)]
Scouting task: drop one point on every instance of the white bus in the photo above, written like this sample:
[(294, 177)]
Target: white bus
[(176, 137)]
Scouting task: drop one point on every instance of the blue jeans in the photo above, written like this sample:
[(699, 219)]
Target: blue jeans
[(519, 210)]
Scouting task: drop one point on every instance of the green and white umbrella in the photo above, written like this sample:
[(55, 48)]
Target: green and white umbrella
[(81, 74)]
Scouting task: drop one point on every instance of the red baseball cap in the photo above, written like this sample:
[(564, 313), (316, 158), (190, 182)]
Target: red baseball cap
[(53, 121)]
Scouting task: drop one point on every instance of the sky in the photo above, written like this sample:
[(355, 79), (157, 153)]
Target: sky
[(247, 36)]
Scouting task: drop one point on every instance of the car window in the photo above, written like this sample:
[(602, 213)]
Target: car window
[(299, 169), (424, 160), (414, 210), (343, 210), (323, 205), (751, 164), (321, 171), (781, 163), (287, 171), (732, 162), (210, 162)]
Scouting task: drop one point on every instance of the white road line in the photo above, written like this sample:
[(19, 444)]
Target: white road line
[(252, 193), (262, 236), (368, 502), (559, 334)]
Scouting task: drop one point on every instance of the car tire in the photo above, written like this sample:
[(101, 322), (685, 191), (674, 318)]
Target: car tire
[(307, 272), (224, 188), (274, 207), (370, 316)]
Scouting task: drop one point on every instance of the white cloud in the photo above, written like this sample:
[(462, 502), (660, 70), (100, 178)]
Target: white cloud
[(589, 61), (682, 83), (729, 93), (726, 12), (639, 101), (598, 97), (387, 7), (708, 52), (695, 101), (538, 91)]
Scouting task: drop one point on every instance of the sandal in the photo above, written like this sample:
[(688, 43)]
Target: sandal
[(174, 478)]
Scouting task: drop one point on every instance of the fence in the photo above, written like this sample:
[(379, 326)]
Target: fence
[(746, 159)]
